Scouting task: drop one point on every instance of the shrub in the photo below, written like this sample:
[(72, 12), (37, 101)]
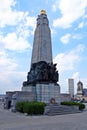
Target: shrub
[(19, 106), (30, 107), (80, 105)]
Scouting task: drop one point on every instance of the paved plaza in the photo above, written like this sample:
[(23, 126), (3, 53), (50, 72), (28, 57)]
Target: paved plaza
[(17, 121)]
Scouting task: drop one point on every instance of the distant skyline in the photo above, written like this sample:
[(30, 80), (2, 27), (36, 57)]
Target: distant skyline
[(68, 24)]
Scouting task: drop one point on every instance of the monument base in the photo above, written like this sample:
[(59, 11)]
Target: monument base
[(44, 92)]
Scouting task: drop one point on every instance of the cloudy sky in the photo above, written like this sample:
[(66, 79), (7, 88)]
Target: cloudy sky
[(68, 23)]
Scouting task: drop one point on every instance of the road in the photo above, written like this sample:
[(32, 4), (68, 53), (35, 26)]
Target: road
[(17, 121)]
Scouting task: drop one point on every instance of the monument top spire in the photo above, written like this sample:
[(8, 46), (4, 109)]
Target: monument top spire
[(42, 12), (42, 48)]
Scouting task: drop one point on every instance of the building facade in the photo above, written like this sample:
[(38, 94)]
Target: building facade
[(71, 87), (79, 88)]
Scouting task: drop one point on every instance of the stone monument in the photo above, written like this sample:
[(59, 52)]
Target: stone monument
[(43, 76), (42, 79)]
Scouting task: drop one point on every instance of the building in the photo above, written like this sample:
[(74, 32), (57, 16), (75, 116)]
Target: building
[(81, 92), (79, 88), (71, 87), (85, 92)]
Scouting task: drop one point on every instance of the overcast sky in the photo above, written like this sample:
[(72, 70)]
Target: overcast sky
[(68, 24)]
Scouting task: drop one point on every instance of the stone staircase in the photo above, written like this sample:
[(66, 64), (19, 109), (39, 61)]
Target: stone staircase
[(55, 109)]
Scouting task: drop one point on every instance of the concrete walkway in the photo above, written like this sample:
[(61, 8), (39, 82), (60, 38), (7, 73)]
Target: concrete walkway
[(17, 121)]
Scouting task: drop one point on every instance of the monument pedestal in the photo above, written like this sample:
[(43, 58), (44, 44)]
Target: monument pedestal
[(44, 92)]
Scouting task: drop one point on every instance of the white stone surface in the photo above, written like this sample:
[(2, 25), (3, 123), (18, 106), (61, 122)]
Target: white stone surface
[(45, 92), (27, 88)]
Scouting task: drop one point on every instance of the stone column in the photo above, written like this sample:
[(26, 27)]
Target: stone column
[(42, 50)]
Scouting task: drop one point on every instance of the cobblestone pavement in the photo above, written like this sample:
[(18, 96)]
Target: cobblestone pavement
[(17, 121)]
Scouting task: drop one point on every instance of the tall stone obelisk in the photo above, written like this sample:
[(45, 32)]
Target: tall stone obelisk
[(43, 75), (42, 50)]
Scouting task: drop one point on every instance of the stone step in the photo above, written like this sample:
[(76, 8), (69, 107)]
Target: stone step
[(55, 109), (60, 113)]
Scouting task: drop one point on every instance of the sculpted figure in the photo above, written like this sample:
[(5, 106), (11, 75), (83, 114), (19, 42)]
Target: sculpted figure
[(42, 72)]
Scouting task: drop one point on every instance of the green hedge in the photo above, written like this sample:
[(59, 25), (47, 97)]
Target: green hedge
[(36, 108), (80, 105)]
